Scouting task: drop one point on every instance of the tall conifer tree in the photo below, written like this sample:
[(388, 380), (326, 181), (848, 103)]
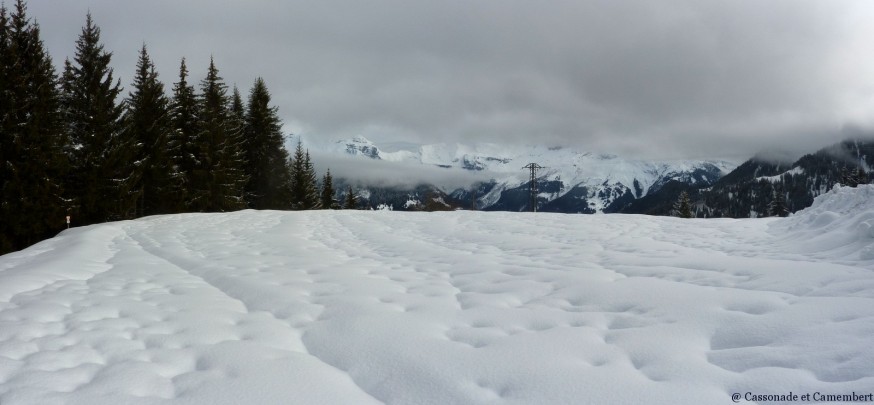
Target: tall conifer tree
[(183, 119), (862, 176), (683, 207), (238, 110), (777, 207), (219, 178), (327, 195), (148, 121), (296, 174), (304, 193), (312, 199), (105, 172), (266, 157), (32, 161), (351, 202)]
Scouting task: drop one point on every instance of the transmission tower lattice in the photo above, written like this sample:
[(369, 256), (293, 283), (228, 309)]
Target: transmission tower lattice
[(533, 167)]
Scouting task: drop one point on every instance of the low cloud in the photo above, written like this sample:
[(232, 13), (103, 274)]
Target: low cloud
[(372, 172)]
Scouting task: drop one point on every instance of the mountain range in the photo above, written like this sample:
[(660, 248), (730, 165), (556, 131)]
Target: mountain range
[(749, 189), (573, 181)]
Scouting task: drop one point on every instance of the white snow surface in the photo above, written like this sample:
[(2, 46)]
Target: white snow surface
[(779, 177), (359, 307)]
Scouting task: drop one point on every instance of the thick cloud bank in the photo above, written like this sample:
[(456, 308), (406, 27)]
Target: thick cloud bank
[(667, 79)]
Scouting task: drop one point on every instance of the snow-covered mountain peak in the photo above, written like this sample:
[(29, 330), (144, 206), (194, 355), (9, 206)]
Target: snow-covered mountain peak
[(357, 146), (590, 173)]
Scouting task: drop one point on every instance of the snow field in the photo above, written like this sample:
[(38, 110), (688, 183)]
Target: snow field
[(441, 308)]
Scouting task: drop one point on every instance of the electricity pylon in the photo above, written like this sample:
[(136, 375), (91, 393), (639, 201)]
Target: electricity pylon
[(533, 167)]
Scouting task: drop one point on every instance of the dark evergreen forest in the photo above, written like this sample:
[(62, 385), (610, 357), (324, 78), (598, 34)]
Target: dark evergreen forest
[(75, 143)]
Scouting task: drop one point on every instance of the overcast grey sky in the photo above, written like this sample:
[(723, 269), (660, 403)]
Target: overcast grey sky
[(641, 78)]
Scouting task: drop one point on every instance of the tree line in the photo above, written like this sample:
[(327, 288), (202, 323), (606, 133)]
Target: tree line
[(72, 144)]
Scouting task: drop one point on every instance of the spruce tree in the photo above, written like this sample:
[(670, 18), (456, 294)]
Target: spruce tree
[(219, 176), (312, 199), (297, 174), (148, 121), (777, 207), (266, 157), (104, 169), (327, 194), (861, 176), (683, 207), (32, 159), (183, 119), (238, 110), (304, 193), (351, 203)]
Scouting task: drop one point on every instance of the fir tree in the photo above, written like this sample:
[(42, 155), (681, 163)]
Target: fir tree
[(327, 195), (351, 203), (219, 177), (148, 121), (183, 118), (303, 195), (238, 110), (777, 207), (32, 159), (266, 157), (238, 122), (861, 176), (105, 172), (683, 207), (296, 175), (312, 199)]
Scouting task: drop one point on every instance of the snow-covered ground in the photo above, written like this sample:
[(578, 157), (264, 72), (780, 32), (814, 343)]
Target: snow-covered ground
[(442, 308)]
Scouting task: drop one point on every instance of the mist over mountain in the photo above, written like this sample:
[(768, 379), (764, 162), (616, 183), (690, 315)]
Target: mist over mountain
[(749, 189), (492, 177)]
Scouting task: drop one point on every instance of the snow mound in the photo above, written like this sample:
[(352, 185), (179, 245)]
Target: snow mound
[(840, 223)]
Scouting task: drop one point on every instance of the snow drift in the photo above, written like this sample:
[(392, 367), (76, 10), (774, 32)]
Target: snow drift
[(442, 308), (839, 224)]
